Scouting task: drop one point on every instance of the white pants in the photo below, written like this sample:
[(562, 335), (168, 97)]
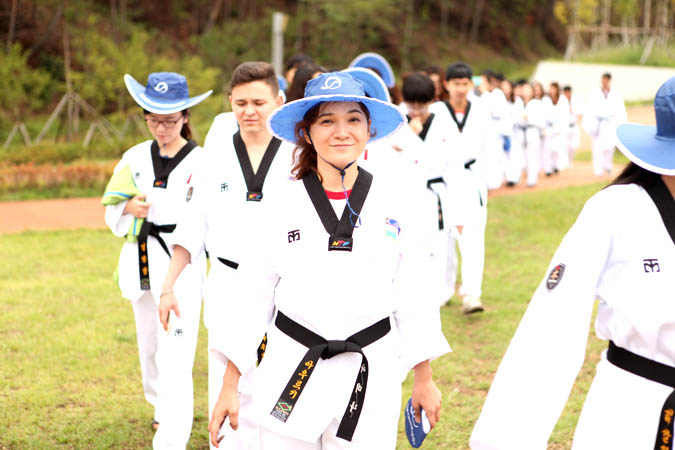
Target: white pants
[(573, 142), (603, 156), (145, 316), (494, 162), (533, 157), (515, 161), (554, 153), (443, 289), (472, 248), (621, 411), (174, 358), (381, 439)]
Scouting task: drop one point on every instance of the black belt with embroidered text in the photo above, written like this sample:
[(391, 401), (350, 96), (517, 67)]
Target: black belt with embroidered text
[(150, 229), (321, 348), (653, 371)]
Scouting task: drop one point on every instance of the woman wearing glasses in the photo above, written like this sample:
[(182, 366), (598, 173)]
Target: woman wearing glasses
[(150, 187)]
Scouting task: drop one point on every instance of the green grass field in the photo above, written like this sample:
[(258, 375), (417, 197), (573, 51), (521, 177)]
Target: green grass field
[(69, 370)]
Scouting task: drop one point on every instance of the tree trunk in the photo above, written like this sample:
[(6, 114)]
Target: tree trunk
[(12, 23), (466, 16), (572, 39), (604, 33), (213, 15), (444, 18), (647, 17), (477, 18), (407, 33)]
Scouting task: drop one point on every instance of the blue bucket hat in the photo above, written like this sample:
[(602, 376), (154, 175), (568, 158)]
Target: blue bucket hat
[(653, 147), (373, 85), (377, 62), (334, 87), (165, 93)]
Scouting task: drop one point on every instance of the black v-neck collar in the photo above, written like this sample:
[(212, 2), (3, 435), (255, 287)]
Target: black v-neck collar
[(425, 126), (665, 203), (339, 231), (164, 166), (461, 124), (254, 181)]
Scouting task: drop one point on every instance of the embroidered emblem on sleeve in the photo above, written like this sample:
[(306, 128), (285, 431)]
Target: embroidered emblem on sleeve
[(555, 277)]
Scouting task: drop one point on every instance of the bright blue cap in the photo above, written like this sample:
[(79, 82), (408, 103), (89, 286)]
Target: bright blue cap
[(373, 85), (653, 147), (335, 87), (165, 93), (376, 62)]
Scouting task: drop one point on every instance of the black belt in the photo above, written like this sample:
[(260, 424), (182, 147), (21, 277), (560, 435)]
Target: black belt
[(438, 198), (150, 229), (228, 263), (321, 348), (653, 371)]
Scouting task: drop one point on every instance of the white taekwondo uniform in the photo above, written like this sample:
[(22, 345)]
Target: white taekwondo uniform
[(604, 112), (620, 252), (515, 159), (471, 142), (166, 359), (333, 294), (554, 149), (495, 103), (528, 133), (219, 219), (440, 163)]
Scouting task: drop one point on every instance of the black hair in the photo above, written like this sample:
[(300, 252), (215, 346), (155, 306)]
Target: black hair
[(499, 76), (296, 60), (418, 88), (521, 81), (490, 75), (607, 75), (185, 130), (305, 72), (567, 88), (458, 70), (634, 174)]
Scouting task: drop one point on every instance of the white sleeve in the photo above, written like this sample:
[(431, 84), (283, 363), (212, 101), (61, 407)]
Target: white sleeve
[(417, 316), (192, 226), (544, 357), (118, 222), (242, 318)]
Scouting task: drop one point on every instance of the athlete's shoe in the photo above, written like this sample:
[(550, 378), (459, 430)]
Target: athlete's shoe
[(471, 305)]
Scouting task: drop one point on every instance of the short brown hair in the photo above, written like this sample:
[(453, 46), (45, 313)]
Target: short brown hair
[(254, 71), (304, 154)]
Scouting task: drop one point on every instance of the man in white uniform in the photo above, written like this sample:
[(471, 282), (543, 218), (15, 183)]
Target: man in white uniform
[(495, 102), (470, 147), (573, 132), (605, 110), (239, 166)]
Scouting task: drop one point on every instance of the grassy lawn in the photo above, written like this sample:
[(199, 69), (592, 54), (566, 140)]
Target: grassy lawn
[(70, 374)]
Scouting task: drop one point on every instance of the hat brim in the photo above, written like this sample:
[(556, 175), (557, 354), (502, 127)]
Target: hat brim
[(385, 118), (137, 92), (641, 145), (372, 83), (376, 61)]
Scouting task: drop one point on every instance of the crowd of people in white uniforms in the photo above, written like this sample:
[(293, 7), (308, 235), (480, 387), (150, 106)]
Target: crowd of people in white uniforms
[(269, 186)]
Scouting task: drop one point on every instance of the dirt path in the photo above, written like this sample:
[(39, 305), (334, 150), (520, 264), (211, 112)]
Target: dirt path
[(69, 214)]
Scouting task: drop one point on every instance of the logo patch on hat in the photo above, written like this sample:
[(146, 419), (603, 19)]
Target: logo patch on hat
[(332, 83), (555, 277), (162, 87)]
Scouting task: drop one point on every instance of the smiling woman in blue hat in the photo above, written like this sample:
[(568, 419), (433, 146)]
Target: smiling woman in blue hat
[(621, 251), (338, 263), (148, 193)]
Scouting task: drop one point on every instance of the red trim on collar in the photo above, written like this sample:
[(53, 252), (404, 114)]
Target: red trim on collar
[(337, 195)]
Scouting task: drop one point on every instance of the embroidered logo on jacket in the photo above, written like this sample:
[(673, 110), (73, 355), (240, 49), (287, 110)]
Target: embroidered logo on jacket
[(188, 197), (342, 244), (392, 229), (651, 265), (555, 277), (293, 236)]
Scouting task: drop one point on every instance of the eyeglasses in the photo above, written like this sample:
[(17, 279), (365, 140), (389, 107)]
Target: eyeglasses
[(168, 124)]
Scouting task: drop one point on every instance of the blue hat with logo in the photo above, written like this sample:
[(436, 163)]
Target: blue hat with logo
[(376, 62), (373, 85), (653, 147), (335, 87), (165, 93)]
